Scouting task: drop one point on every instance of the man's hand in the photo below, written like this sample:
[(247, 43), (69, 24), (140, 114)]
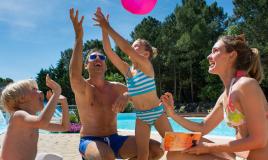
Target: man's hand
[(78, 28), (120, 103)]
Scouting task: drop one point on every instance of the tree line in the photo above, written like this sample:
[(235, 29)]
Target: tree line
[(184, 40)]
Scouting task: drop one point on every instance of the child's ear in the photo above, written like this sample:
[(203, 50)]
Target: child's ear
[(146, 54)]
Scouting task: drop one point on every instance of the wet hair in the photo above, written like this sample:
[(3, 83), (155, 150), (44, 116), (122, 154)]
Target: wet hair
[(14, 93), (148, 47), (248, 59)]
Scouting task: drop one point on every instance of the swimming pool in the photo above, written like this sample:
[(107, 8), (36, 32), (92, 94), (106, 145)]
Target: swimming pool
[(3, 123), (126, 121)]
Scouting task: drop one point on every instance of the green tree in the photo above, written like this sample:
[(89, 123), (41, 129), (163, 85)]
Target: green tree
[(251, 16), (199, 25), (5, 81)]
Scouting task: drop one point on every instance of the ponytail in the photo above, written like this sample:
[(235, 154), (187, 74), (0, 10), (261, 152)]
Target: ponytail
[(248, 59), (155, 52), (255, 69)]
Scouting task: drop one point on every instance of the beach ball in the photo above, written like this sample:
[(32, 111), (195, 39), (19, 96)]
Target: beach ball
[(139, 6)]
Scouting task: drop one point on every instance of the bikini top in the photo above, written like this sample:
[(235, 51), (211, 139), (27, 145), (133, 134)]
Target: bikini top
[(232, 115), (140, 84)]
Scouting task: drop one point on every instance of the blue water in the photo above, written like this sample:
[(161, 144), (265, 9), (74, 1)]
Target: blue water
[(127, 121), (3, 123)]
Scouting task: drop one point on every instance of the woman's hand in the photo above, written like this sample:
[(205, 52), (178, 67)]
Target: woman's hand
[(100, 20), (168, 102), (201, 148), (78, 28)]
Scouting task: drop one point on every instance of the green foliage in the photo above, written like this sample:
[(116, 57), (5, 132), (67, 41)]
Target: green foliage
[(181, 109), (73, 118), (4, 82), (129, 108), (251, 17), (194, 28), (115, 77)]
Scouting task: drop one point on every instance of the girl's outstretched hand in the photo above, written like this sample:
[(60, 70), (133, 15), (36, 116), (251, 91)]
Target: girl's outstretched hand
[(56, 88), (168, 102), (100, 20), (78, 28)]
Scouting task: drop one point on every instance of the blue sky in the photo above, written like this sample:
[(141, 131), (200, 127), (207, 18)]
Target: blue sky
[(34, 32)]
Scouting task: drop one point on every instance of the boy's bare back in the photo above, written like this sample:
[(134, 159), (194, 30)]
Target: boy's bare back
[(20, 141)]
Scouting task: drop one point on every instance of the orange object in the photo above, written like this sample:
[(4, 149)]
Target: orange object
[(178, 141)]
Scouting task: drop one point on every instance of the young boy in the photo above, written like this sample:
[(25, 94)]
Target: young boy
[(23, 100)]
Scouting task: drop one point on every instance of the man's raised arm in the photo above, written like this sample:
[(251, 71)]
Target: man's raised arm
[(76, 63)]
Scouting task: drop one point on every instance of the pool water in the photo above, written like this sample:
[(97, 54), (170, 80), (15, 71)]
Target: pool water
[(3, 123), (126, 121)]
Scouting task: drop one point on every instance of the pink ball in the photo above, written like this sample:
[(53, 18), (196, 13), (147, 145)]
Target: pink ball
[(138, 6)]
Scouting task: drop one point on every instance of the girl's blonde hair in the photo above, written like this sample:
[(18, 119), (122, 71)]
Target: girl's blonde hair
[(14, 93), (148, 47), (248, 59)]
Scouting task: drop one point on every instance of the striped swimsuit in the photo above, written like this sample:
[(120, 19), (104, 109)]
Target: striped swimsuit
[(141, 84)]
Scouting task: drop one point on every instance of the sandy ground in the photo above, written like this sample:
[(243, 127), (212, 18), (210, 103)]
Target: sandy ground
[(67, 144)]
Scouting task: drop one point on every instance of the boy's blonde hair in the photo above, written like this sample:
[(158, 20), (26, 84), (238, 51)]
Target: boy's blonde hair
[(13, 94)]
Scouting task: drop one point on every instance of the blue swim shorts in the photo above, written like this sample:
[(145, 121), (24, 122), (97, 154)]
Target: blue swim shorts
[(115, 141)]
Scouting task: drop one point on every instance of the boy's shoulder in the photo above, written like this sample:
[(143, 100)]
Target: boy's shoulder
[(19, 116)]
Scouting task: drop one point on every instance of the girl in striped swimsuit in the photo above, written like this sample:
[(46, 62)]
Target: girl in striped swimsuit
[(140, 83)]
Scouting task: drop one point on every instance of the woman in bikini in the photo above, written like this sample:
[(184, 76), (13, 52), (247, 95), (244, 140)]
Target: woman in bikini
[(140, 83), (242, 104)]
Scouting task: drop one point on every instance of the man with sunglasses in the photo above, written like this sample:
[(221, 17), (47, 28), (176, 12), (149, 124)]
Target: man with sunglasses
[(98, 102)]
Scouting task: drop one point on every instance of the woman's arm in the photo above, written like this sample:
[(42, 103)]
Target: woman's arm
[(210, 122), (256, 122)]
